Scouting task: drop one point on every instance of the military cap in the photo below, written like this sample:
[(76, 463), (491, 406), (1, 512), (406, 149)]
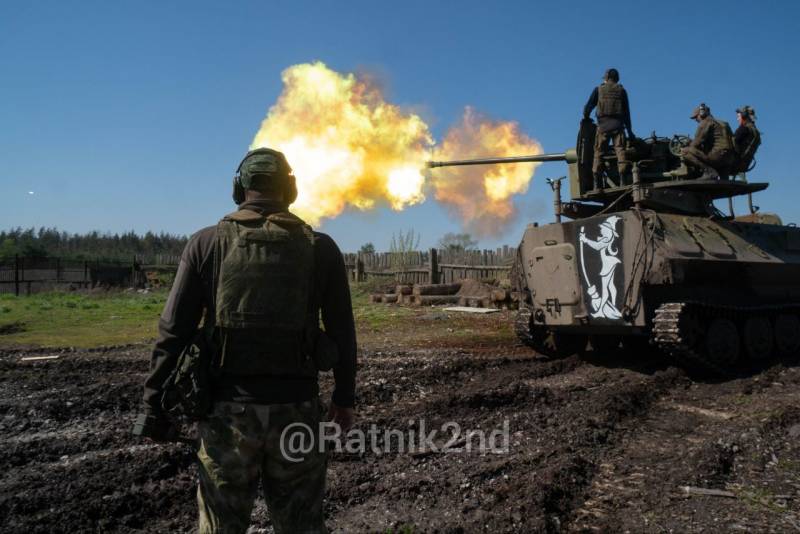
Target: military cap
[(263, 162), (611, 74), (747, 111), (700, 111)]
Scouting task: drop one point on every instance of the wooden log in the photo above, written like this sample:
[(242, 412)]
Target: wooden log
[(389, 298), (38, 358), (375, 298), (432, 300), (436, 289), (690, 490), (403, 289), (499, 295), (473, 302)]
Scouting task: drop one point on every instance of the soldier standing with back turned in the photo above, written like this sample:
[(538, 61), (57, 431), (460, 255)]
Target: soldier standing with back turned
[(613, 120), (260, 279)]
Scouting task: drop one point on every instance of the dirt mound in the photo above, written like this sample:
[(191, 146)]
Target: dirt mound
[(475, 288)]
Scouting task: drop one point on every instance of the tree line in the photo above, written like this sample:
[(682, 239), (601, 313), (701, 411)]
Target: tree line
[(50, 242)]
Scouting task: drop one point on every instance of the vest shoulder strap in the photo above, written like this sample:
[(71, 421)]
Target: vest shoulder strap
[(244, 215)]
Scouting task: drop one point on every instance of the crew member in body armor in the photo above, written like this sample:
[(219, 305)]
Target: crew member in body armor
[(711, 150), (747, 138), (613, 120), (261, 277)]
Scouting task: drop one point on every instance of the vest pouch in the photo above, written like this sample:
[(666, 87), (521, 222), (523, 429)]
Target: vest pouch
[(265, 276), (264, 352)]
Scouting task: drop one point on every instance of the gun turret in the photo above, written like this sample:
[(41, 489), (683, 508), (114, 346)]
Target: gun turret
[(570, 156)]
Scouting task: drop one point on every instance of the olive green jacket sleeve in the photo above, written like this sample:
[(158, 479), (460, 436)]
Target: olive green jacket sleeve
[(702, 135), (178, 321)]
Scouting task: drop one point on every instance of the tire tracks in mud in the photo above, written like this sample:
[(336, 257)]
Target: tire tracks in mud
[(68, 461), (595, 442), (738, 436), (563, 415)]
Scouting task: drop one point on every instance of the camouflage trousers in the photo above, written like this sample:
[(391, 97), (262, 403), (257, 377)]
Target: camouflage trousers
[(715, 162), (240, 444), (617, 138)]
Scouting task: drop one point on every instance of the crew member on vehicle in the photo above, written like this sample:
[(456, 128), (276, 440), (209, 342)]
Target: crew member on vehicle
[(711, 150), (746, 139), (613, 120)]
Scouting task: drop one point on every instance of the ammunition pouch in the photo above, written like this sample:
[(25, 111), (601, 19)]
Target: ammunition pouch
[(186, 393)]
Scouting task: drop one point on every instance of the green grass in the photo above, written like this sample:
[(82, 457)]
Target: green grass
[(79, 320), (760, 498), (375, 316), (415, 325), (89, 320)]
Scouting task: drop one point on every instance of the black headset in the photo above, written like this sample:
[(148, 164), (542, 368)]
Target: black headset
[(289, 193)]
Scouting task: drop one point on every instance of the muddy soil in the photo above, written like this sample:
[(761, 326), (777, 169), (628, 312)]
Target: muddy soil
[(599, 442)]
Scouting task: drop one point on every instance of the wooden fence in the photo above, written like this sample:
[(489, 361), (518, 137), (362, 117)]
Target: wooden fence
[(23, 275), (431, 267)]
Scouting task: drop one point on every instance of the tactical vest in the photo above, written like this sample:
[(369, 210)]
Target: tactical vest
[(609, 100), (263, 297), (747, 153)]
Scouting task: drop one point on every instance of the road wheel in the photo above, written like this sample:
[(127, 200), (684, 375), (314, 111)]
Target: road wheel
[(722, 342), (787, 334), (758, 338)]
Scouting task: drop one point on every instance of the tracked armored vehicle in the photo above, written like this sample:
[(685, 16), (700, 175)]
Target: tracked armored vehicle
[(650, 259)]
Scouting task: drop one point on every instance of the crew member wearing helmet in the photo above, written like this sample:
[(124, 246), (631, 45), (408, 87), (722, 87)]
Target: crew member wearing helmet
[(259, 279), (711, 150), (613, 120), (747, 138)]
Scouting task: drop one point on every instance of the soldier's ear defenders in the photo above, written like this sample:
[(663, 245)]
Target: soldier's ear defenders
[(290, 193), (238, 188)]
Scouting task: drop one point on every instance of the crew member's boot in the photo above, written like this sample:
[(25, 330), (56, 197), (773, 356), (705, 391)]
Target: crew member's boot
[(709, 174)]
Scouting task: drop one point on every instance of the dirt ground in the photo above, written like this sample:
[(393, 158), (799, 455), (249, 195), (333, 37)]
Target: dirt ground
[(598, 442)]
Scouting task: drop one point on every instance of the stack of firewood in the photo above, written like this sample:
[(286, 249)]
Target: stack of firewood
[(469, 293)]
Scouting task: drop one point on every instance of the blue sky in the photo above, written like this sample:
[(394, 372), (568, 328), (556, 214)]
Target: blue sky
[(133, 115)]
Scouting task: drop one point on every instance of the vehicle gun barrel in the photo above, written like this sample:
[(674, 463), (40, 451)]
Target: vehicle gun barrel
[(568, 156)]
